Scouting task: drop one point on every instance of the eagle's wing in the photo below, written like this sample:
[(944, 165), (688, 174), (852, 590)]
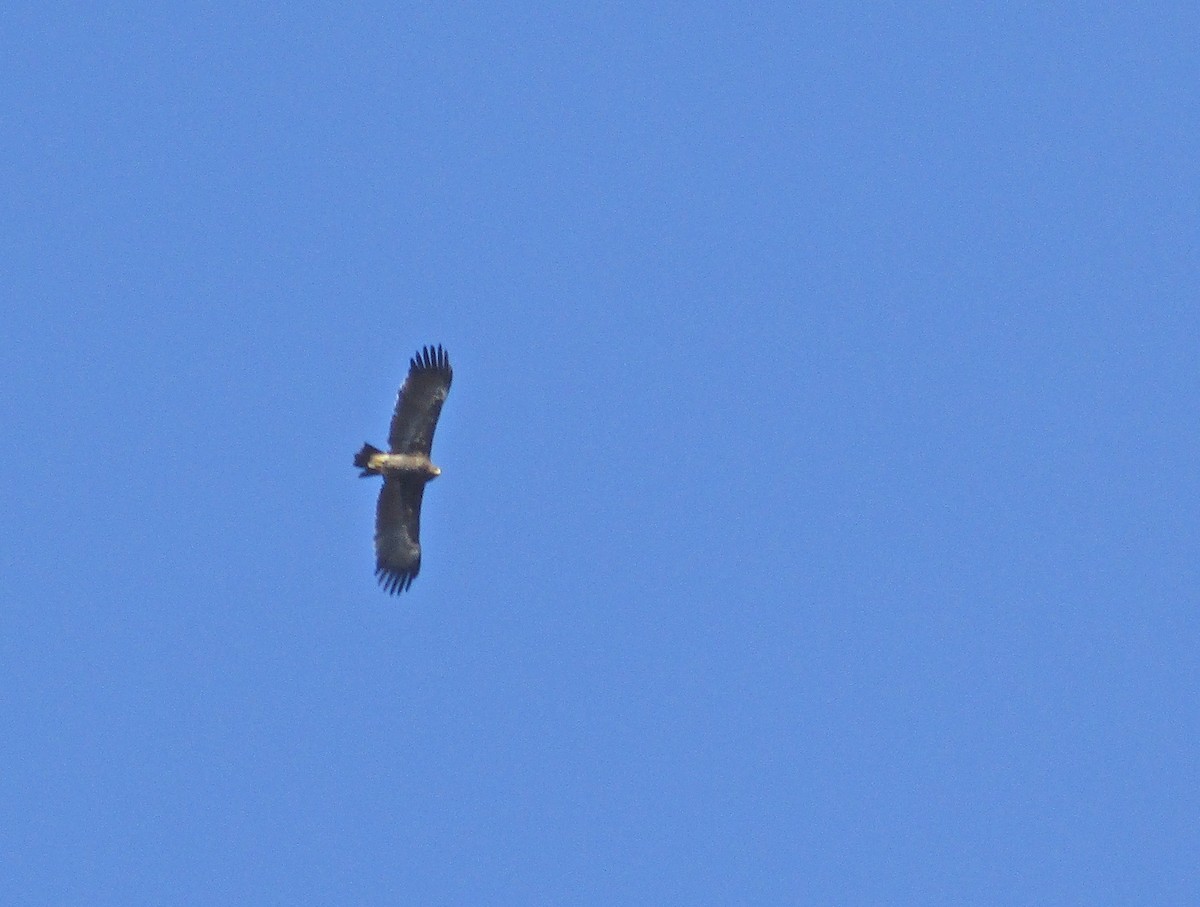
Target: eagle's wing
[(420, 402), (398, 532)]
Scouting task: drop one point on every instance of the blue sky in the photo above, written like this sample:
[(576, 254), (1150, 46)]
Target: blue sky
[(818, 518)]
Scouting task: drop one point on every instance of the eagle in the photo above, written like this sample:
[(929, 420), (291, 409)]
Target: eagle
[(406, 468)]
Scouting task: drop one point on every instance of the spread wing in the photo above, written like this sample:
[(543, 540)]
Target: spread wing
[(398, 532), (420, 402)]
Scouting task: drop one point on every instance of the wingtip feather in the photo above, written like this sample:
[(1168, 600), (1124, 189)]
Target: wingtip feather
[(430, 358), (395, 581)]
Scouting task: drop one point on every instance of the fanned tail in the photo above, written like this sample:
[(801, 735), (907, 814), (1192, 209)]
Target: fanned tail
[(362, 460)]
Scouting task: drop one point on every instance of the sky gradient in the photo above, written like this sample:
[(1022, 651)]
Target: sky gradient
[(818, 513)]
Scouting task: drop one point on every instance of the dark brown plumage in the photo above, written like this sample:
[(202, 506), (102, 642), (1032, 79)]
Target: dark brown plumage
[(406, 468)]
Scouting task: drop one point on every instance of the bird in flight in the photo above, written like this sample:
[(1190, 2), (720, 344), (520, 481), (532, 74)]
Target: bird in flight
[(406, 468)]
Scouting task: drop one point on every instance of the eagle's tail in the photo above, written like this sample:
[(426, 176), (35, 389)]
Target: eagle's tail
[(363, 458)]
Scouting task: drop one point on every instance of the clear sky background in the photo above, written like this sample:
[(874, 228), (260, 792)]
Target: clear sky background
[(818, 518)]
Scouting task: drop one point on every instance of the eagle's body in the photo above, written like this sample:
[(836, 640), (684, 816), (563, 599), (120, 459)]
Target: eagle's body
[(406, 468), (398, 465)]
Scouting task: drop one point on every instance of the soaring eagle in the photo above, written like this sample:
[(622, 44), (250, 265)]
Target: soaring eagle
[(406, 468)]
